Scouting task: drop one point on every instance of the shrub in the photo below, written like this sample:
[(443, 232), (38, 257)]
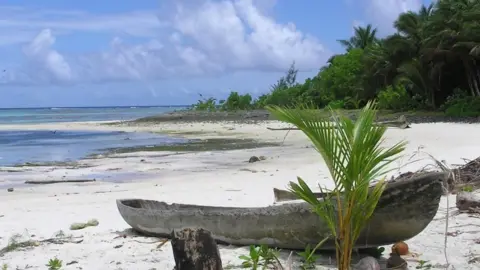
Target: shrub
[(236, 101), (336, 104), (205, 104), (394, 98), (461, 105)]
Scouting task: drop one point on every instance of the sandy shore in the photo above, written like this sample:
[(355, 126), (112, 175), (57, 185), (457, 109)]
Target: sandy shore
[(208, 177)]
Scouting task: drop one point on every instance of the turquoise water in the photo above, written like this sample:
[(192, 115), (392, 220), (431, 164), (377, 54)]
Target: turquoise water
[(20, 146), (17, 147), (55, 115)]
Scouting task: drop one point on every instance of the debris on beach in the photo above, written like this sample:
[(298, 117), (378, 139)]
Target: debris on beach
[(395, 261), (79, 225), (468, 202), (253, 159), (15, 242), (467, 174), (256, 159)]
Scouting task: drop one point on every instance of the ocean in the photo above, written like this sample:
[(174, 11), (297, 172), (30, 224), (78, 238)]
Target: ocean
[(55, 115), (44, 146)]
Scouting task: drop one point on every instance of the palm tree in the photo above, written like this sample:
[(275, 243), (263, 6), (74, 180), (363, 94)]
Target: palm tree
[(457, 40), (434, 51), (418, 79), (363, 37), (354, 156)]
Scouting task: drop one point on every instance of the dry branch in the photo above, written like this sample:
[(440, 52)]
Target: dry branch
[(401, 123), (46, 182), (34, 243)]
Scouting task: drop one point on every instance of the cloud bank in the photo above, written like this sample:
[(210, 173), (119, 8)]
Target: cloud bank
[(189, 38), (205, 38)]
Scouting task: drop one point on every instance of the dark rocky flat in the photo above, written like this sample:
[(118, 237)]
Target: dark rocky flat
[(262, 115)]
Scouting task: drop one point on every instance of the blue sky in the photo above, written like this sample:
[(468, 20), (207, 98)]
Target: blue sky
[(160, 52)]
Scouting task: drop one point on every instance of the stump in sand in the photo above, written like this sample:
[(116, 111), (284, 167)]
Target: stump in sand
[(195, 249), (468, 201)]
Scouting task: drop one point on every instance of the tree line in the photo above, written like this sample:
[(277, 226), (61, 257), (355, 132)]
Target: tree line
[(431, 62)]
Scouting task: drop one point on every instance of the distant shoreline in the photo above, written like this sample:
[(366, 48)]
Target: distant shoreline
[(263, 115)]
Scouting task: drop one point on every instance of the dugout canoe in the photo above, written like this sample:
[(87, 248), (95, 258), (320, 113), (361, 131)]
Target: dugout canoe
[(404, 210)]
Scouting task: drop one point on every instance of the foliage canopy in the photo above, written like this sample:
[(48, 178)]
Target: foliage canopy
[(431, 62)]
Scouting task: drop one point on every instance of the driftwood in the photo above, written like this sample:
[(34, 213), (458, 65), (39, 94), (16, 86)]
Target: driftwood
[(281, 195), (195, 249), (468, 201), (47, 182), (468, 174), (401, 123)]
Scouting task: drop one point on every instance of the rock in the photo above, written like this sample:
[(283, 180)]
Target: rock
[(396, 262), (262, 157), (467, 201), (367, 263), (10, 189), (253, 159)]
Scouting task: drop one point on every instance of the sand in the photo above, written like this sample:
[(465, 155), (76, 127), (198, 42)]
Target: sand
[(212, 178)]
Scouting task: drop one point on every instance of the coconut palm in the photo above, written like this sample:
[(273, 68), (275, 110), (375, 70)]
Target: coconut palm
[(363, 37), (354, 155)]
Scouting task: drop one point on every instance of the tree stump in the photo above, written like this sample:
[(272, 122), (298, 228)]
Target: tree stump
[(468, 201), (195, 249)]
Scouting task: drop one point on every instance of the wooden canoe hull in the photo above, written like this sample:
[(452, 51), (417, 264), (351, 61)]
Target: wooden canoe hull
[(404, 210)]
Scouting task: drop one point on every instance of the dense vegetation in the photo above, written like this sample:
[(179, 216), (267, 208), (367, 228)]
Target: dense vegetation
[(431, 62)]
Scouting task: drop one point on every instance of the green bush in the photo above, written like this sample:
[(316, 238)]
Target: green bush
[(205, 104), (394, 98), (336, 104), (462, 105), (236, 101)]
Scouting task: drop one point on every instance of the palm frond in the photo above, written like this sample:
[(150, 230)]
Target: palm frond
[(355, 155)]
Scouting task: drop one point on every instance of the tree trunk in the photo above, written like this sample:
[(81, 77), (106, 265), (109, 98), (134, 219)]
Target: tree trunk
[(195, 249), (470, 78), (475, 81)]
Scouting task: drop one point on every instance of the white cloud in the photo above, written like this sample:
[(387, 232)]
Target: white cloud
[(29, 21), (190, 39), (383, 13), (52, 63)]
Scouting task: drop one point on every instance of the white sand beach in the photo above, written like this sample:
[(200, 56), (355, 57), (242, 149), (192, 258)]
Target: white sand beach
[(223, 178)]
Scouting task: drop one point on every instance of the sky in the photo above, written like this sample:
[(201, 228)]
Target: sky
[(166, 52)]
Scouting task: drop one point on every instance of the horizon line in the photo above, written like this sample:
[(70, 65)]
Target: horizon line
[(93, 107)]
